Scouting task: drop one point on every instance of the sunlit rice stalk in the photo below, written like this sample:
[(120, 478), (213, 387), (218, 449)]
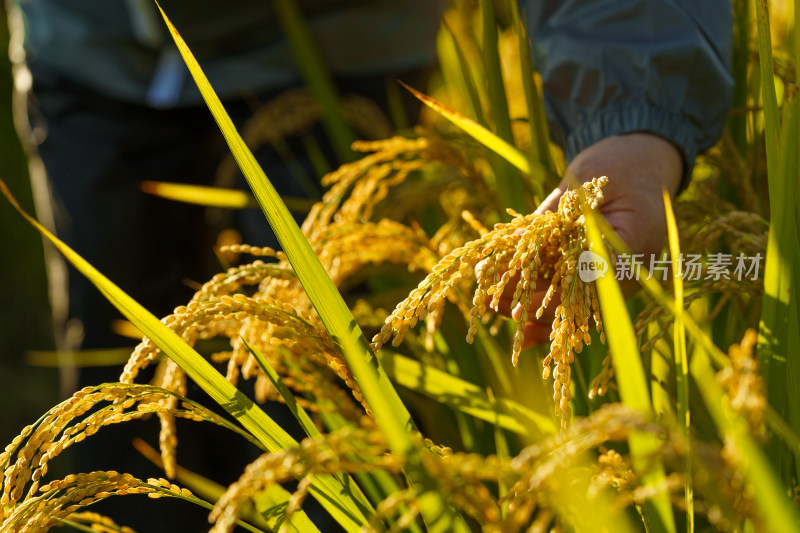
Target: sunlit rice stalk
[(390, 413), (680, 357), (787, 229)]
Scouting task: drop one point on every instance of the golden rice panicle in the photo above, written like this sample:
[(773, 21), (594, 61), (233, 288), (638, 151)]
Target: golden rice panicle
[(171, 377), (59, 429), (615, 470), (347, 450), (247, 317), (344, 248), (516, 255), (602, 382), (260, 319), (433, 291), (373, 187), (26, 460), (304, 372), (744, 385), (463, 476), (357, 188), (225, 283), (539, 468), (387, 158), (98, 522), (61, 498), (527, 249)]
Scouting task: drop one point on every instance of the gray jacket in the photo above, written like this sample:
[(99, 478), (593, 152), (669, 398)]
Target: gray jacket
[(617, 66), (609, 66)]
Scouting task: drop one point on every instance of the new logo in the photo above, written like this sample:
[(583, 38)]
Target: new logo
[(591, 266)]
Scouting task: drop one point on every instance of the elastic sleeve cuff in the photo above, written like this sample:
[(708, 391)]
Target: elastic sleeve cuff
[(629, 117)]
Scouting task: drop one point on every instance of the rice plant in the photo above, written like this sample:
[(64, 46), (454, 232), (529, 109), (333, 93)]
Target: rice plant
[(674, 411)]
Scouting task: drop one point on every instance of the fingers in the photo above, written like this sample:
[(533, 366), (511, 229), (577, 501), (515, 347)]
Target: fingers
[(535, 333), (507, 307), (548, 313)]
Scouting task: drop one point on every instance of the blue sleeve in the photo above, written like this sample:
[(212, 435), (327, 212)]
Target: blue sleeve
[(611, 67)]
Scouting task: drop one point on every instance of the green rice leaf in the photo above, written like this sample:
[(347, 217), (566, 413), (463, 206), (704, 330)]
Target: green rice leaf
[(778, 337), (537, 119), (771, 123), (200, 194), (498, 105), (464, 396), (772, 319), (681, 359), (457, 68)]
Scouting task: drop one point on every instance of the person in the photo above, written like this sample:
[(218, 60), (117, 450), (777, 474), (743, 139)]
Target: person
[(634, 89)]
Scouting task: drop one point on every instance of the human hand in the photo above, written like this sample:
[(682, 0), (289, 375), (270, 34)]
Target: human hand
[(639, 167)]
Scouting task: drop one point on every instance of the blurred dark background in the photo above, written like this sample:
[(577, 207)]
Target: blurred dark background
[(25, 316)]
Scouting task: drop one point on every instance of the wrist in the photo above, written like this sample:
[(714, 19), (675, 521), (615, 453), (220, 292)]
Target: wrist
[(643, 160)]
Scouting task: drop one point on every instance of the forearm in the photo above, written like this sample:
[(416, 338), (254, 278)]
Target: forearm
[(611, 67)]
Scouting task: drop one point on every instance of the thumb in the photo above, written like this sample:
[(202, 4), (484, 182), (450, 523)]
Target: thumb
[(551, 202)]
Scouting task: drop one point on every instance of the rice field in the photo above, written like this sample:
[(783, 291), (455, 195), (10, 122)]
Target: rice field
[(667, 406)]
